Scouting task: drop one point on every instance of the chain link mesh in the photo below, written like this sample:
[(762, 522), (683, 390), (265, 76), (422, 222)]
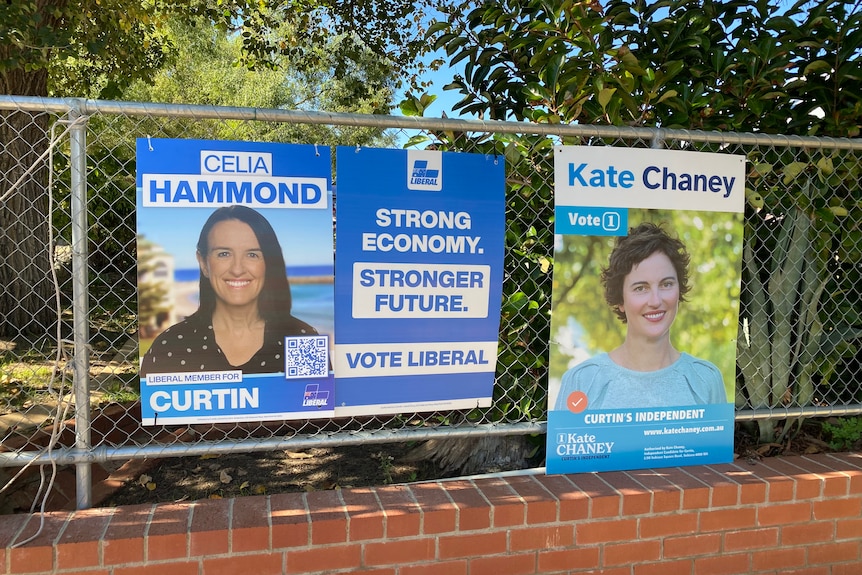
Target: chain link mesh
[(800, 299)]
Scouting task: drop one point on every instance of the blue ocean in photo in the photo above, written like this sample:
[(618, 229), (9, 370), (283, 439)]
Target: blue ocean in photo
[(193, 274), (312, 301)]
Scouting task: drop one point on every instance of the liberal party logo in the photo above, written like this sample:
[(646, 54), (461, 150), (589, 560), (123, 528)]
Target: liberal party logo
[(424, 170), (314, 397)]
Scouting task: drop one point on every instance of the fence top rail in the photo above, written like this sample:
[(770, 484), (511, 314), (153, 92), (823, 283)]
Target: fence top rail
[(655, 135)]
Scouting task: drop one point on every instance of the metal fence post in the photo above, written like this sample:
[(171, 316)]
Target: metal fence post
[(80, 304)]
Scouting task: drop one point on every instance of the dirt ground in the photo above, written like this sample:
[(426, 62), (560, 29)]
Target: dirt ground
[(234, 475)]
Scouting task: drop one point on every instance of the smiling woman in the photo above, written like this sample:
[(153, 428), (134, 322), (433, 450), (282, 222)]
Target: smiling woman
[(245, 302), (644, 283)]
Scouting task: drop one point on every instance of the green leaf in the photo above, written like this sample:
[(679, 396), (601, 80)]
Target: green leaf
[(792, 170), (817, 67), (417, 140), (605, 96)]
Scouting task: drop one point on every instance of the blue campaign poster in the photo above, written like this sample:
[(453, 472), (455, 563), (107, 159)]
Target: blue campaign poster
[(419, 271), (235, 281), (645, 304)]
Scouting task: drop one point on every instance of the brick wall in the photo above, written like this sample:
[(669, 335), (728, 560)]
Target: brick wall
[(795, 515)]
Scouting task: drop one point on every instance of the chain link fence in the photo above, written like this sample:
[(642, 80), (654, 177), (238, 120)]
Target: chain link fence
[(68, 305)]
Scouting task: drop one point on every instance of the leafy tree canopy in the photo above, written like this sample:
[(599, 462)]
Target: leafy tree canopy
[(737, 65), (114, 42)]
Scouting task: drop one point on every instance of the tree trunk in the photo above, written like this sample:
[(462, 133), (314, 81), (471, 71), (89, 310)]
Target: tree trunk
[(26, 292)]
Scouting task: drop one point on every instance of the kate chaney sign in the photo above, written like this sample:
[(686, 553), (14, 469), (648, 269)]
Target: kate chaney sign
[(648, 231), (235, 281), (419, 239)]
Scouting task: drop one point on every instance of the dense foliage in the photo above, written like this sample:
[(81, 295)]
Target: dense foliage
[(738, 65)]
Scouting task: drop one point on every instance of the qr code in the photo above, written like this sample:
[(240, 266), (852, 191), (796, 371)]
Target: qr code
[(306, 356)]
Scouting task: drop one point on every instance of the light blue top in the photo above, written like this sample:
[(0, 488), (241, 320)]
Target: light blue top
[(688, 381)]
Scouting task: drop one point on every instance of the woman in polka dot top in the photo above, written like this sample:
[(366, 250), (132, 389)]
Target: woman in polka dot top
[(245, 302)]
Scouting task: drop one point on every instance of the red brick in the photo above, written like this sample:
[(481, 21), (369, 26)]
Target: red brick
[(78, 555), (606, 531), (167, 532), (209, 533), (471, 545), (31, 558), (664, 525), (633, 552), (692, 545), (807, 533), (507, 507), (727, 519), (257, 563), (327, 517), (723, 492), (541, 506), (249, 527), (438, 568), (837, 508), (779, 486), (574, 560), (751, 539), (850, 463), (542, 537), (751, 492), (722, 565), (573, 504), (606, 507), (781, 491), (365, 517), (605, 502), (845, 569), (833, 553), (400, 552), (610, 571), (473, 510), (848, 529), (509, 564), (175, 568), (10, 525), (745, 475), (439, 514), (664, 568), (403, 516), (778, 560), (290, 520), (784, 514), (325, 558), (124, 539), (695, 493), (666, 496), (835, 484), (828, 472), (695, 499), (38, 554), (807, 486), (636, 500), (811, 571), (78, 544)]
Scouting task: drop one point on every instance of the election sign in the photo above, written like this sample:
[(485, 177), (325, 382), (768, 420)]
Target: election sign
[(647, 267), (235, 281), (418, 279)]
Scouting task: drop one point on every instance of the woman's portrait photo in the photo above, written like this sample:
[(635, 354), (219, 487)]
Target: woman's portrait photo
[(644, 320), (226, 299)]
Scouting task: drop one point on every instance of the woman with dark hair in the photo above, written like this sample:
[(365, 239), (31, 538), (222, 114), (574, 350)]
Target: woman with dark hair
[(644, 283), (245, 302)]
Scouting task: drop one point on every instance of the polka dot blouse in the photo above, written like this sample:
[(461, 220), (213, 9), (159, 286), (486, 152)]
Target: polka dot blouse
[(190, 346)]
